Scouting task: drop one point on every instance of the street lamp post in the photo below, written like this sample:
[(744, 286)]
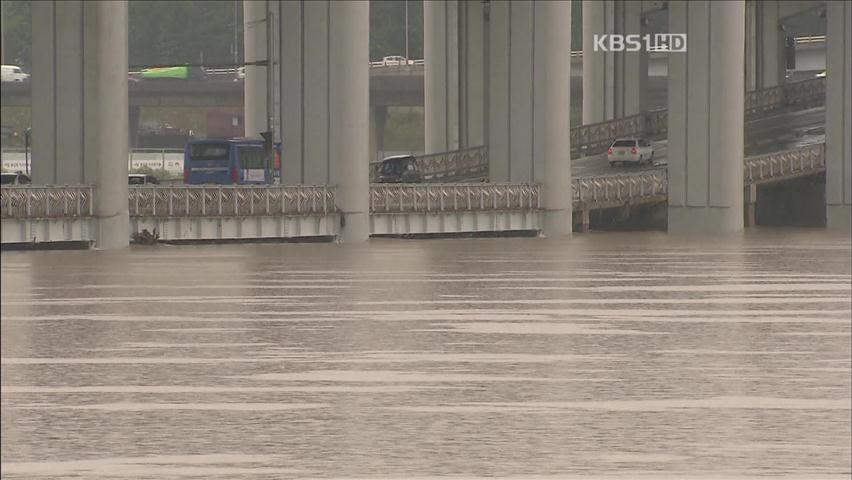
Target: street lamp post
[(406, 31), (236, 48)]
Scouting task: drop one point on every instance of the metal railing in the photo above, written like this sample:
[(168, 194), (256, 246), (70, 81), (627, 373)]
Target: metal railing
[(435, 167), (788, 163), (631, 187), (61, 201), (656, 122), (410, 198), (458, 163), (811, 39), (230, 201), (594, 134), (805, 92), (31, 202), (397, 63)]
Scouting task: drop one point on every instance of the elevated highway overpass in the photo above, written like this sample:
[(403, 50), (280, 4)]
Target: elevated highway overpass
[(193, 213), (390, 84)]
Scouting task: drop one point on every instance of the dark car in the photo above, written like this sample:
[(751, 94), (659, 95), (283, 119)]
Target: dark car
[(142, 179), (17, 178), (399, 169)]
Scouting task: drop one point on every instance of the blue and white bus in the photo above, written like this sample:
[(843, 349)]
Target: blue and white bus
[(236, 161)]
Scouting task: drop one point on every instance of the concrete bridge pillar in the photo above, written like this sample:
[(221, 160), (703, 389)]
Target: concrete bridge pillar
[(378, 119), (766, 64), (324, 103), (254, 39), (79, 105), (614, 83), (838, 108), (133, 125), (453, 74), (705, 128), (530, 100)]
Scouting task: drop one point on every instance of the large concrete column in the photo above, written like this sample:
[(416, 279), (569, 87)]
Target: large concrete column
[(614, 83), (631, 68), (58, 95), (597, 65), (378, 119), (254, 38), (471, 75), (751, 45), (706, 117), (767, 53), (454, 74), (133, 125), (324, 103), (838, 114), (79, 103), (529, 102), (106, 116), (441, 74)]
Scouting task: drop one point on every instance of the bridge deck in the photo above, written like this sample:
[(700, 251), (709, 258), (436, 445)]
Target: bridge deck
[(64, 213)]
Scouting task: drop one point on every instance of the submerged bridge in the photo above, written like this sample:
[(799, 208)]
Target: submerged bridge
[(454, 197), (187, 213)]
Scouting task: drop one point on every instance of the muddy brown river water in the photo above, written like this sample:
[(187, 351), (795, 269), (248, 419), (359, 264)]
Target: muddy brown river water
[(626, 355)]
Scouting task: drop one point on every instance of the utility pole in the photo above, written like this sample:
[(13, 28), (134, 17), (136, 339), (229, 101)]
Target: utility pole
[(2, 38), (236, 48), (406, 32), (270, 122)]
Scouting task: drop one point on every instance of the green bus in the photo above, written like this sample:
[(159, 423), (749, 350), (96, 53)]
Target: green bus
[(178, 72)]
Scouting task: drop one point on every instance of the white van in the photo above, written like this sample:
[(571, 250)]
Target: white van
[(13, 73)]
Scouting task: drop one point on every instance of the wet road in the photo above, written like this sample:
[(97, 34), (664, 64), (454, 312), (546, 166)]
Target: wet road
[(632, 355), (772, 133)]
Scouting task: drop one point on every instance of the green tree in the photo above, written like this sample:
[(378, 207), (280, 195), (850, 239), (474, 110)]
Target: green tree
[(387, 28), (178, 32), (16, 33)]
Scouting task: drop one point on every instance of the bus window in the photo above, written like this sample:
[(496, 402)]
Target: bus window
[(208, 151), (252, 161), (225, 162), (208, 163)]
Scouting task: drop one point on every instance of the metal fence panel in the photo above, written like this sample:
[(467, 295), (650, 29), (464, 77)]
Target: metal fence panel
[(795, 162), (63, 201), (230, 201), (409, 198)]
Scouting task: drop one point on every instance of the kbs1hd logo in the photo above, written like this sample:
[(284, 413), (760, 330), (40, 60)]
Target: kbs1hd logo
[(658, 42)]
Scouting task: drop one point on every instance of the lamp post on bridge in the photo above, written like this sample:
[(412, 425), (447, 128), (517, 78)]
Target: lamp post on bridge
[(406, 32)]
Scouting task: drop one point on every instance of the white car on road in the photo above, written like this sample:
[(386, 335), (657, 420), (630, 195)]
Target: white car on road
[(630, 150), (395, 60), (13, 73)]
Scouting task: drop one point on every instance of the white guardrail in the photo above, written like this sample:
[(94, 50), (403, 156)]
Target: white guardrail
[(620, 189), (405, 198), (28, 202), (230, 201), (789, 163)]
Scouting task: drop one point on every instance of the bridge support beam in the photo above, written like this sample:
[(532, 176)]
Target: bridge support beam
[(766, 64), (614, 83), (838, 108), (378, 119), (705, 131), (255, 43), (453, 75), (324, 105), (79, 105), (750, 213), (530, 100)]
